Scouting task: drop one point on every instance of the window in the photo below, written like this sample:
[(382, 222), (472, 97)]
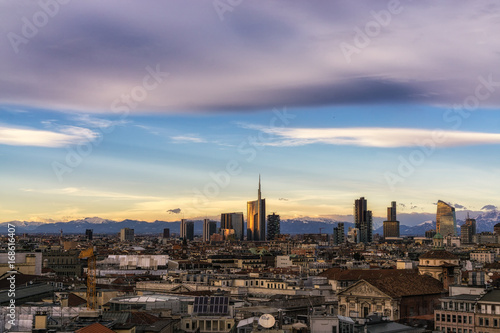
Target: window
[(187, 325), (459, 318), (486, 322), (454, 318), (437, 318), (442, 317), (495, 322), (481, 322), (448, 318)]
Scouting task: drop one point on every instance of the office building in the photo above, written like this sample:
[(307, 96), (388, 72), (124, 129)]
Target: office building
[(445, 219), (391, 226), (127, 235), (187, 229), (209, 228), (232, 221), (467, 231), (339, 234), (273, 226), (89, 234), (166, 233), (256, 218), (363, 220)]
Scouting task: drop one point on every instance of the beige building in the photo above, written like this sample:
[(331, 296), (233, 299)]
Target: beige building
[(27, 263), (488, 312)]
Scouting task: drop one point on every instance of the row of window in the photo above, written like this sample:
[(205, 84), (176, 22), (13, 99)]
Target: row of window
[(453, 318), (454, 330), (486, 322)]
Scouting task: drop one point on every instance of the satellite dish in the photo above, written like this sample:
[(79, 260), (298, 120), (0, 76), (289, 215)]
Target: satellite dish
[(267, 321)]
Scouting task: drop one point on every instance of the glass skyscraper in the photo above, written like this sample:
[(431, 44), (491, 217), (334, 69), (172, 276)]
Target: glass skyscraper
[(446, 222), (256, 218)]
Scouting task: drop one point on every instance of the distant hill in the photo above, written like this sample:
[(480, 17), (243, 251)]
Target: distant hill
[(303, 225)]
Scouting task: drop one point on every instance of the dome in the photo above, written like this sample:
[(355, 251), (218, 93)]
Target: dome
[(437, 236)]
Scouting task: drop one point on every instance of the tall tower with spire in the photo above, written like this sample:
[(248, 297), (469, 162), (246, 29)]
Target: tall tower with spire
[(256, 218)]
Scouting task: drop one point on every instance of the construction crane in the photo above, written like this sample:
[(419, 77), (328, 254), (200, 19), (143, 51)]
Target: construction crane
[(91, 277)]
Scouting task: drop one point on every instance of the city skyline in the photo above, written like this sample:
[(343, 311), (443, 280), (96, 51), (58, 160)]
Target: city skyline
[(119, 116)]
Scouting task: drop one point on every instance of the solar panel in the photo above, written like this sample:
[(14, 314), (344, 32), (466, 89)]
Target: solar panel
[(211, 305)]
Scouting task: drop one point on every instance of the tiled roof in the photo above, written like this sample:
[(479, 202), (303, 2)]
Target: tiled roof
[(363, 274), (408, 285), (95, 328), (438, 254)]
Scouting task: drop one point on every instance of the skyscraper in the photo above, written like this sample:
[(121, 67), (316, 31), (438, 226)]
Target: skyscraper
[(363, 220), (468, 230), (445, 219), (339, 234), (209, 228), (273, 226), (187, 229), (233, 221), (256, 218), (89, 234), (166, 233), (391, 226)]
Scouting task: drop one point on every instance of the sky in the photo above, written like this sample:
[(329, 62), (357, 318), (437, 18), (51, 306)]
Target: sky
[(161, 110)]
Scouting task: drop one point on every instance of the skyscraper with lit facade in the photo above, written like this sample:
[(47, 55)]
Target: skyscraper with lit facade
[(256, 218), (363, 220), (446, 221), (232, 221)]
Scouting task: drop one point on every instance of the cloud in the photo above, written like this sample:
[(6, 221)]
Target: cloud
[(174, 211), (459, 206), (373, 137), (259, 56), (187, 139), (489, 207), (65, 135), (88, 120), (84, 192)]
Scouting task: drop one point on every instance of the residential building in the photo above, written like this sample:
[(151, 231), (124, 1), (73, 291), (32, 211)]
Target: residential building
[(456, 313), (339, 234), (273, 226), (127, 235), (484, 256), (488, 312)]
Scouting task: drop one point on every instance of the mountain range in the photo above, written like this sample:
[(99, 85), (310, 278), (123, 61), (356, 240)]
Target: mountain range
[(485, 222)]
